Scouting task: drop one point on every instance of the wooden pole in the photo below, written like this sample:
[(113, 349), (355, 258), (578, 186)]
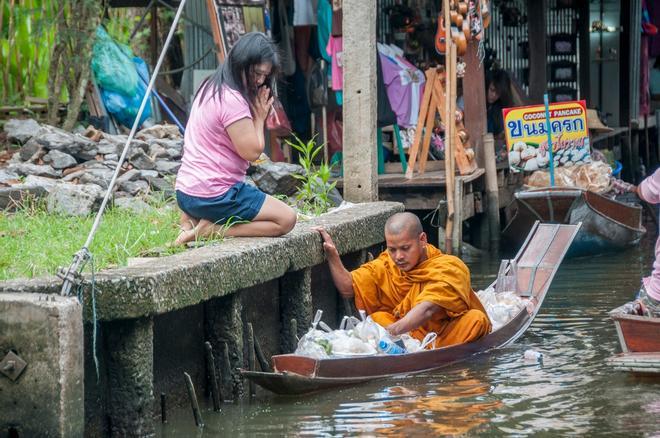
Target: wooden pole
[(492, 193), (251, 359), (261, 357), (450, 104), (193, 401), (213, 378), (227, 383), (457, 183)]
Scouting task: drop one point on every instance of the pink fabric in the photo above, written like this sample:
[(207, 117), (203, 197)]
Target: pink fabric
[(210, 163), (335, 49), (650, 191)]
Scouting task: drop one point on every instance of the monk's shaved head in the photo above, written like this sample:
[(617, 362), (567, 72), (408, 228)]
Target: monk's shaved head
[(404, 223)]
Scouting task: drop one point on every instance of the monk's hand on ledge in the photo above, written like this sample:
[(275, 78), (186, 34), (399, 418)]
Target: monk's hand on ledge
[(328, 245)]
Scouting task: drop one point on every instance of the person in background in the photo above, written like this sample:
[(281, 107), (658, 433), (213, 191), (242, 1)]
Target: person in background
[(412, 287), (649, 293), (498, 97), (225, 132)]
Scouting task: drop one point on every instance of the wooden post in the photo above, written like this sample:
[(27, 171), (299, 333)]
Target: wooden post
[(492, 192), (251, 356), (475, 100), (457, 232), (450, 104), (360, 153), (536, 35)]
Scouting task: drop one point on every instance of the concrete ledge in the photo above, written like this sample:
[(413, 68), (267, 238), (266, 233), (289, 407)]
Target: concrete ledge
[(174, 282), (47, 333)]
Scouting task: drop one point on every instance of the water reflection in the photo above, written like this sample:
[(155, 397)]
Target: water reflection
[(571, 392)]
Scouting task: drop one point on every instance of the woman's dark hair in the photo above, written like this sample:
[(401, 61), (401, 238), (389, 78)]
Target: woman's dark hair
[(251, 49), (502, 83)]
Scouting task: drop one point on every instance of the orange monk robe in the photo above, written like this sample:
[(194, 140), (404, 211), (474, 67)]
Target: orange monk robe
[(388, 294)]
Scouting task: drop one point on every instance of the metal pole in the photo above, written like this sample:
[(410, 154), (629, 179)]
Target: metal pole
[(549, 129), (79, 257)]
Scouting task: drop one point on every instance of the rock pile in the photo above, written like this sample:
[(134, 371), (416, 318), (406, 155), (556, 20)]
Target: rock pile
[(74, 170)]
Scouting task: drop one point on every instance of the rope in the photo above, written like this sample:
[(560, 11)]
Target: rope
[(74, 268), (81, 299), (189, 66)]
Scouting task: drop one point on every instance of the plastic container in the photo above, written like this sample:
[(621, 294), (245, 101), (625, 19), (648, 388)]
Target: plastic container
[(532, 355), (389, 347), (616, 171)]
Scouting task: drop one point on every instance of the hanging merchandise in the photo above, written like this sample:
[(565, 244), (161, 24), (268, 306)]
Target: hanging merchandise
[(324, 18), (336, 18), (304, 12), (335, 49), (277, 122), (404, 83), (317, 86), (286, 40)]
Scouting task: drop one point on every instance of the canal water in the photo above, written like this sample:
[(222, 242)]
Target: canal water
[(571, 392)]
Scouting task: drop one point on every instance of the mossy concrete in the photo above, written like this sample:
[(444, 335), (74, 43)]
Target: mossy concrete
[(130, 376), (211, 292), (47, 398), (169, 283)]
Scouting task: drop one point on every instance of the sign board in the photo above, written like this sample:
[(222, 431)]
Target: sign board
[(527, 139), (230, 19)]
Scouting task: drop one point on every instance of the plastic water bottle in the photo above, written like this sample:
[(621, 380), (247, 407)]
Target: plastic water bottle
[(389, 347), (533, 356)]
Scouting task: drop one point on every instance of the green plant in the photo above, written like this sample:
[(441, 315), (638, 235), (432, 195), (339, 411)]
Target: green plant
[(313, 196), (27, 34)]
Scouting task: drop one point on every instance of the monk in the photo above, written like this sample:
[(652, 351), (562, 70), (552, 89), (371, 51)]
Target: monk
[(412, 287)]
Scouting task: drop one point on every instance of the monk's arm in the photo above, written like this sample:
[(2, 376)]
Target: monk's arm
[(340, 275), (417, 316)]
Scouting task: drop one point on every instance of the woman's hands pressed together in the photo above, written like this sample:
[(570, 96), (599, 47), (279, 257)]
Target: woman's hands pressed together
[(263, 102)]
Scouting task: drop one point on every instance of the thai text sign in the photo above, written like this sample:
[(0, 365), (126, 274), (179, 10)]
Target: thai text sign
[(527, 135)]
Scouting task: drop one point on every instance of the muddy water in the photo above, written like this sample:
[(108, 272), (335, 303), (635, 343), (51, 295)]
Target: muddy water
[(571, 392)]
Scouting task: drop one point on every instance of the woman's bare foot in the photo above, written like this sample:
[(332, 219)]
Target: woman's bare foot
[(187, 222), (185, 236)]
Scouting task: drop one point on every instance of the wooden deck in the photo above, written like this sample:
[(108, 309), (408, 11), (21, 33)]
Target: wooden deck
[(424, 192)]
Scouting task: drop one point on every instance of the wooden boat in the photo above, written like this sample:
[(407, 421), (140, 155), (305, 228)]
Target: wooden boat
[(533, 268), (607, 224), (639, 337)]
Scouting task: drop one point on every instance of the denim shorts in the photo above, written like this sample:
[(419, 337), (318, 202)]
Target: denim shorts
[(241, 202)]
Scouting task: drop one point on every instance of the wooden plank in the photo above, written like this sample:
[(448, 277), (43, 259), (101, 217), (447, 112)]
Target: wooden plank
[(432, 166), (475, 100), (218, 38), (424, 108)]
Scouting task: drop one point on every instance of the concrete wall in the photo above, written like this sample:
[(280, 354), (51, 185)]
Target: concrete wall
[(47, 397), (153, 321)]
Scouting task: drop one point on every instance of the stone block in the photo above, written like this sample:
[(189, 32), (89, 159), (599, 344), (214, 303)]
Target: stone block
[(74, 200), (20, 131), (46, 331)]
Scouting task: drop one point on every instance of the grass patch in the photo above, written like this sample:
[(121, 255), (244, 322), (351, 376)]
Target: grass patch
[(34, 242)]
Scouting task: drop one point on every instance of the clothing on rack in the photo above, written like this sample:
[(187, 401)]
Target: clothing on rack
[(304, 12), (404, 83)]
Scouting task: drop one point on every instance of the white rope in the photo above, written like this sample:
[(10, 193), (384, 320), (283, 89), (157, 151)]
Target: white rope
[(83, 254)]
